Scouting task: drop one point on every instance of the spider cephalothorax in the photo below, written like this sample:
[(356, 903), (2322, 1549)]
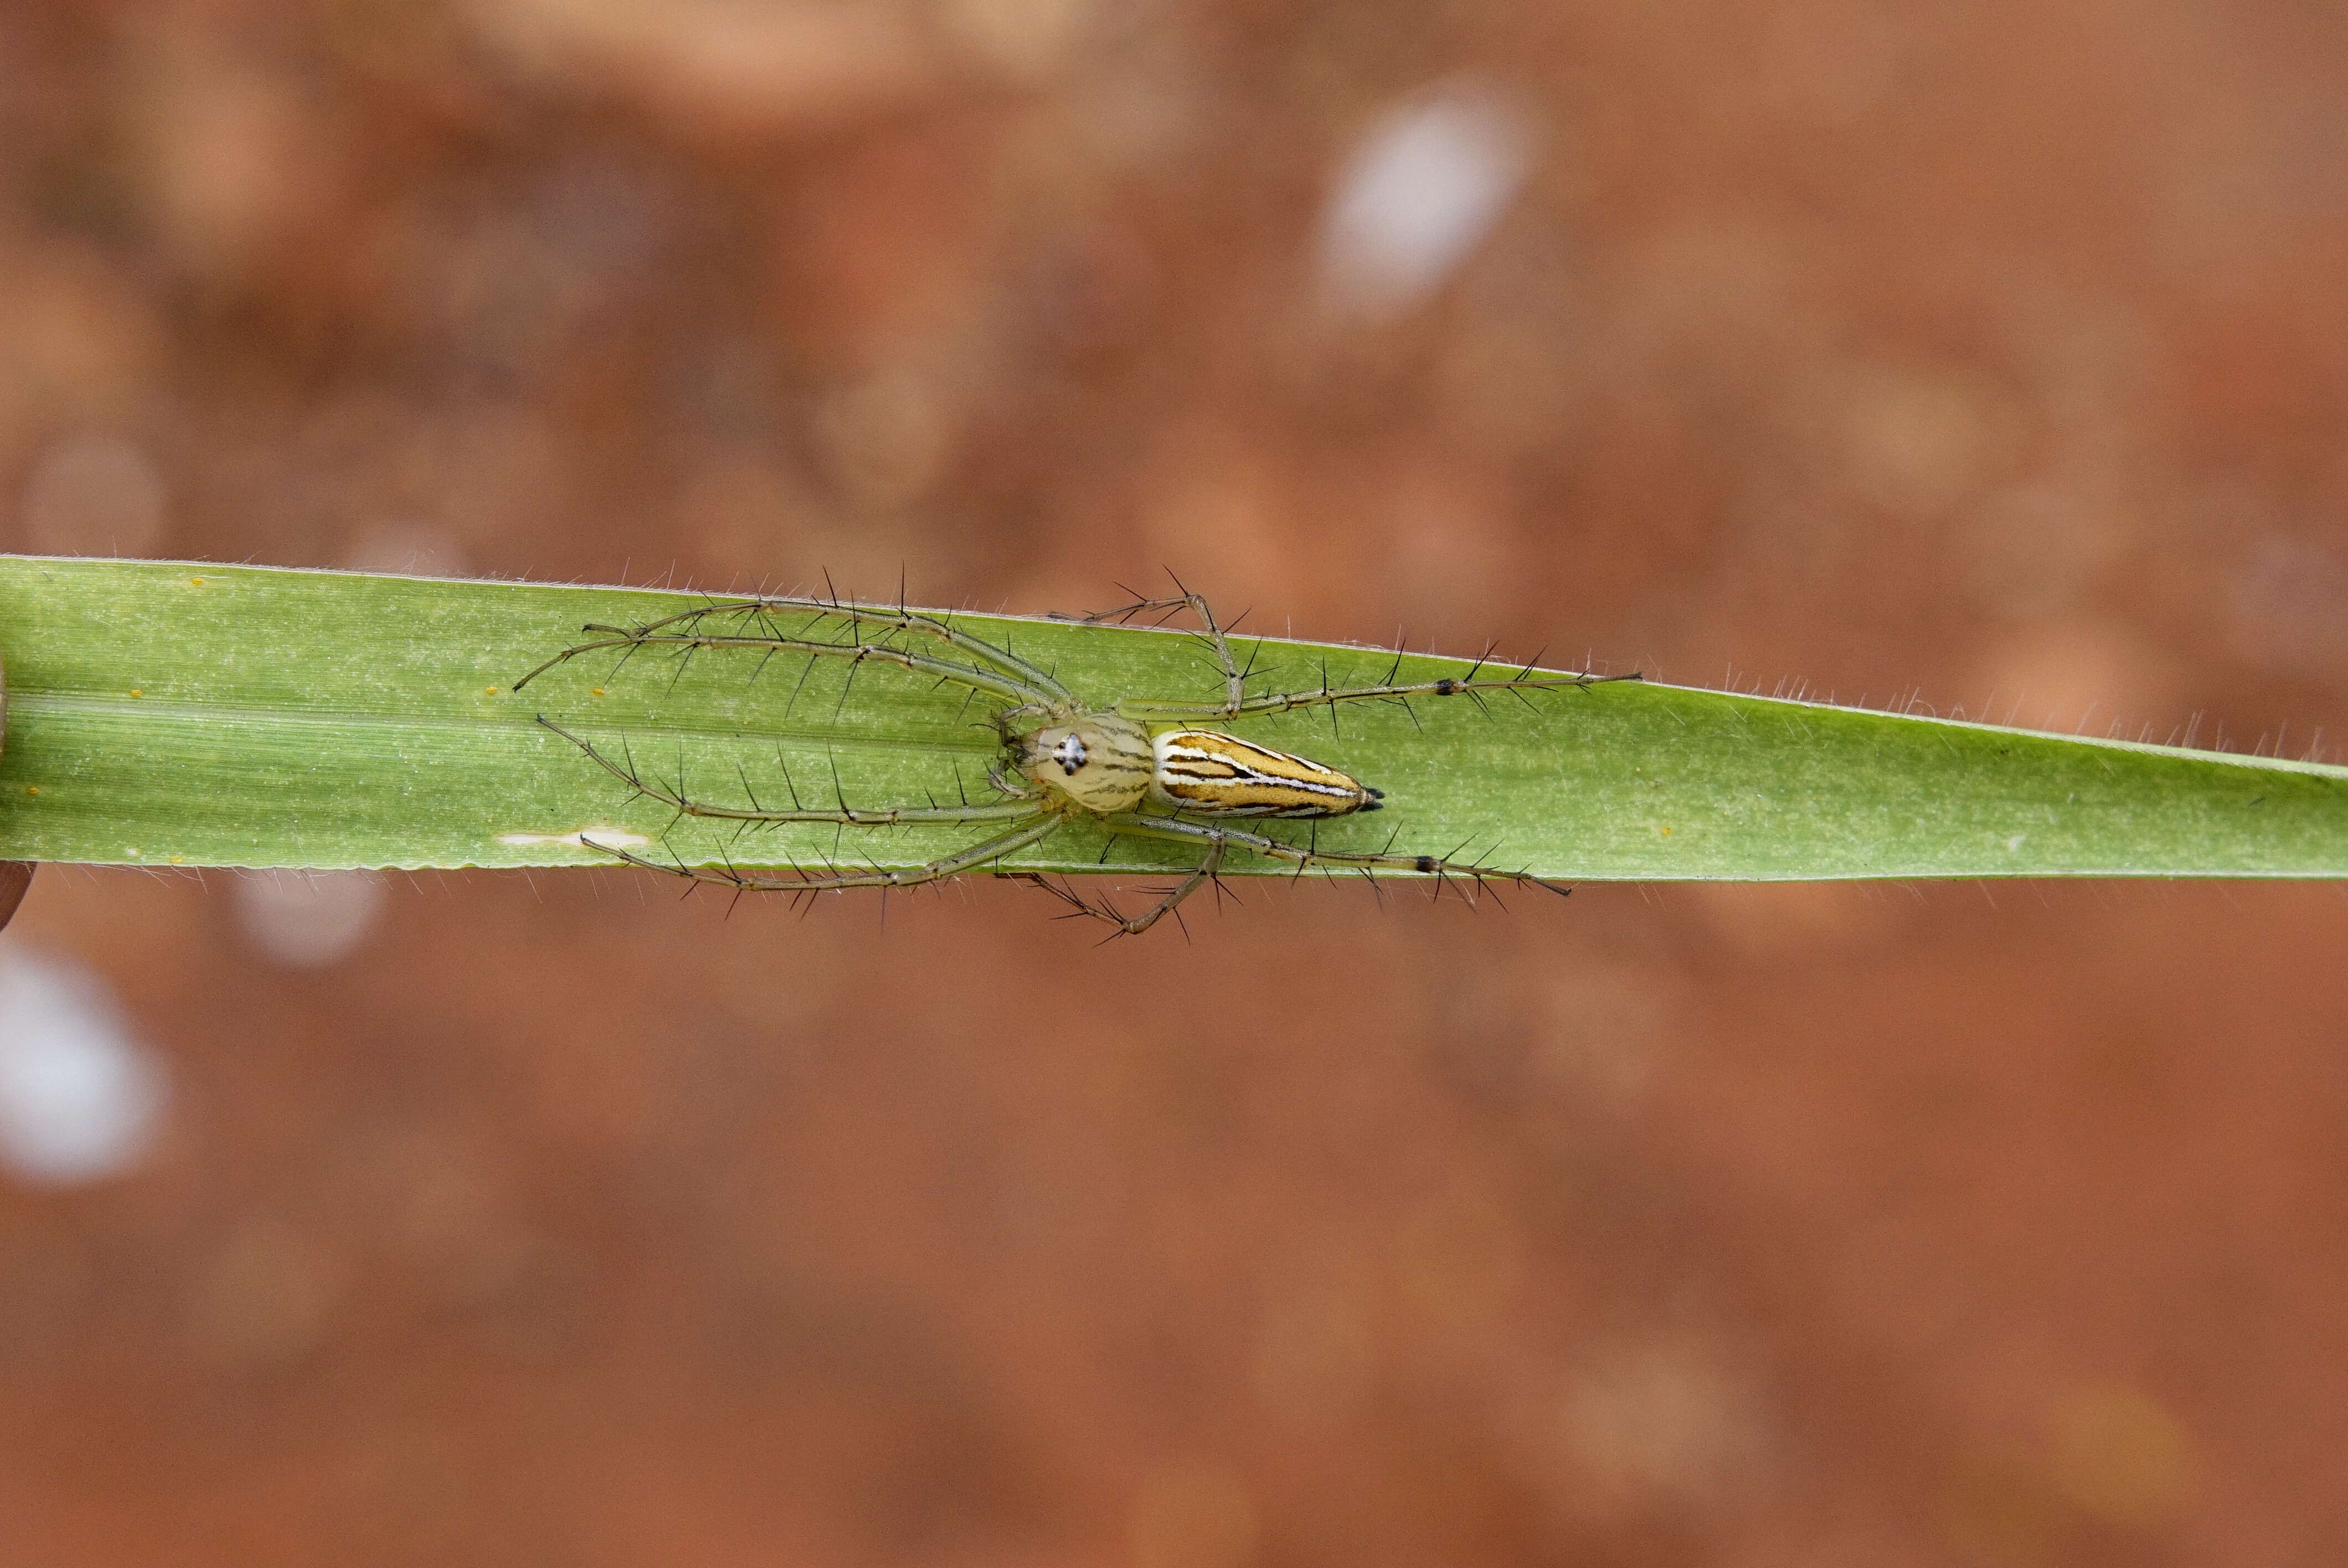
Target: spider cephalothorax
[(1140, 769), (1095, 762)]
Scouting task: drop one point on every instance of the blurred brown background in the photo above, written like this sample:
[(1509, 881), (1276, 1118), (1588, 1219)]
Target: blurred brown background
[(1990, 354)]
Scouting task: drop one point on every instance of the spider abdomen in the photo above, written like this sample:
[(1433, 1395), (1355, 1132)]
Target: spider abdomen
[(1213, 773)]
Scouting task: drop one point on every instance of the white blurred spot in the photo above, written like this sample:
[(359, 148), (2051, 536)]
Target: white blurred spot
[(585, 838), (94, 496), (80, 1099), (308, 919), (1426, 183)]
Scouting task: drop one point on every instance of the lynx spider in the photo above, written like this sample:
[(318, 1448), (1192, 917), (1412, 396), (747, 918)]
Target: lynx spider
[(1068, 761)]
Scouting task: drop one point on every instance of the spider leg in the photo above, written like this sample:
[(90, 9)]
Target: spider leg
[(1079, 906), (898, 618), (1470, 687), (1442, 868), (1207, 871), (625, 770), (801, 881), (1234, 686), (993, 669), (1236, 702)]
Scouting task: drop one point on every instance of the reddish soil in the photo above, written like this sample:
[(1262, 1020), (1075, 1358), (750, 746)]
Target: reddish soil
[(1994, 353)]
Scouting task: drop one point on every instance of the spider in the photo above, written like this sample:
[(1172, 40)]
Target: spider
[(1139, 768)]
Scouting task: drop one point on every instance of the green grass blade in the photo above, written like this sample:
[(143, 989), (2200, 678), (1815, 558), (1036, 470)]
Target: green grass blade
[(165, 713)]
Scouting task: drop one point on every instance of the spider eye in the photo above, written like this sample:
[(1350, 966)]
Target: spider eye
[(1070, 755)]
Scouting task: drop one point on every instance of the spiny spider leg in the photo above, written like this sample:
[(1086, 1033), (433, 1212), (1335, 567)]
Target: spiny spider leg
[(1203, 873), (1330, 696), (898, 619), (1012, 677), (891, 816), (1197, 605), (1034, 831), (1441, 868), (1079, 906), (1236, 702), (968, 675), (1208, 870)]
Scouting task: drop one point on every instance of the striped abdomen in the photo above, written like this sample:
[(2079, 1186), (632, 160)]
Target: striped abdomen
[(1217, 775)]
